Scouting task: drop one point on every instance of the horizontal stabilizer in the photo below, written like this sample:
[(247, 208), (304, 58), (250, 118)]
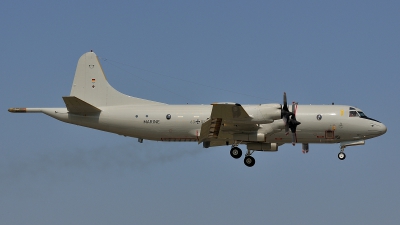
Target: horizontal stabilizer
[(78, 106)]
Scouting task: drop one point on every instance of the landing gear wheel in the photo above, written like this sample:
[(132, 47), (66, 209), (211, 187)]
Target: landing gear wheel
[(341, 155), (249, 161), (236, 152)]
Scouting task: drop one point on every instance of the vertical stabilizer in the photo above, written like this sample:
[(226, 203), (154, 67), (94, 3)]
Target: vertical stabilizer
[(91, 85)]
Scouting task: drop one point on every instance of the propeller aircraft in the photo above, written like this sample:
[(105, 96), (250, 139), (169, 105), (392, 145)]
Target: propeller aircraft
[(94, 103)]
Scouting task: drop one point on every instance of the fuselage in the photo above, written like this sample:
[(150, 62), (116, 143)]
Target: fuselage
[(319, 123)]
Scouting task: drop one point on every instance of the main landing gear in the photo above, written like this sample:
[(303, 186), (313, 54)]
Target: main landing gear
[(249, 161), (236, 153), (341, 154)]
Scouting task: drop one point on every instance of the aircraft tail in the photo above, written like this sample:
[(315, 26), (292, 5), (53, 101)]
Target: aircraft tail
[(91, 85)]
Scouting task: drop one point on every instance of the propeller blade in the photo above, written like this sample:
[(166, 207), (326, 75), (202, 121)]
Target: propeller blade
[(285, 109), (285, 101), (294, 108), (285, 121), (293, 123), (289, 118)]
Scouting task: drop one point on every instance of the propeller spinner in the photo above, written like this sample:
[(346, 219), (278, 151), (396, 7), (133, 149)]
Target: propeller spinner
[(289, 118)]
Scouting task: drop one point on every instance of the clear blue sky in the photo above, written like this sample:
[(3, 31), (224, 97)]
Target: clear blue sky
[(176, 52)]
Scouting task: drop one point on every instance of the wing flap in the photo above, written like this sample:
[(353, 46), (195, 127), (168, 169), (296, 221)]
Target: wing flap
[(210, 129), (78, 106)]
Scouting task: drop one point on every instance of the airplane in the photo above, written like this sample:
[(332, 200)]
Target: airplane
[(94, 103)]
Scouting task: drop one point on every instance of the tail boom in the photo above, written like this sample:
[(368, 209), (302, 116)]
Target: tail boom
[(25, 110)]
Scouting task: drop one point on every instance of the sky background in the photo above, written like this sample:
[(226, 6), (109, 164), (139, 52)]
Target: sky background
[(180, 52)]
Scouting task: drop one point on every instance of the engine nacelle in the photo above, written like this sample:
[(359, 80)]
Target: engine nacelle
[(264, 113), (270, 111), (268, 147)]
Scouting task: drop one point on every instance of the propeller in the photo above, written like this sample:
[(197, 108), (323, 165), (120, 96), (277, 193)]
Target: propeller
[(285, 114), (289, 118)]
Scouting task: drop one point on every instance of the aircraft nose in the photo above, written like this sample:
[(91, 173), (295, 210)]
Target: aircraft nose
[(378, 129), (382, 128)]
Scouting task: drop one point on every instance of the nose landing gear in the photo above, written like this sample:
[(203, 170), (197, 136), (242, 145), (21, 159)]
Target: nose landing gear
[(345, 144), (341, 154)]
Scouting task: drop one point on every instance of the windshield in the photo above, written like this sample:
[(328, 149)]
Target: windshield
[(360, 114)]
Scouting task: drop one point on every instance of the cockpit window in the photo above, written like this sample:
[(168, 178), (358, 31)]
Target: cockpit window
[(353, 114), (360, 114)]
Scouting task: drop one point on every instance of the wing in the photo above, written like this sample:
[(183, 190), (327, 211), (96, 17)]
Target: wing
[(229, 111), (225, 120)]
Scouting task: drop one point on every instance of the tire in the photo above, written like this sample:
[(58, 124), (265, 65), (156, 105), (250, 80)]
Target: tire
[(249, 161), (341, 155), (236, 152)]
